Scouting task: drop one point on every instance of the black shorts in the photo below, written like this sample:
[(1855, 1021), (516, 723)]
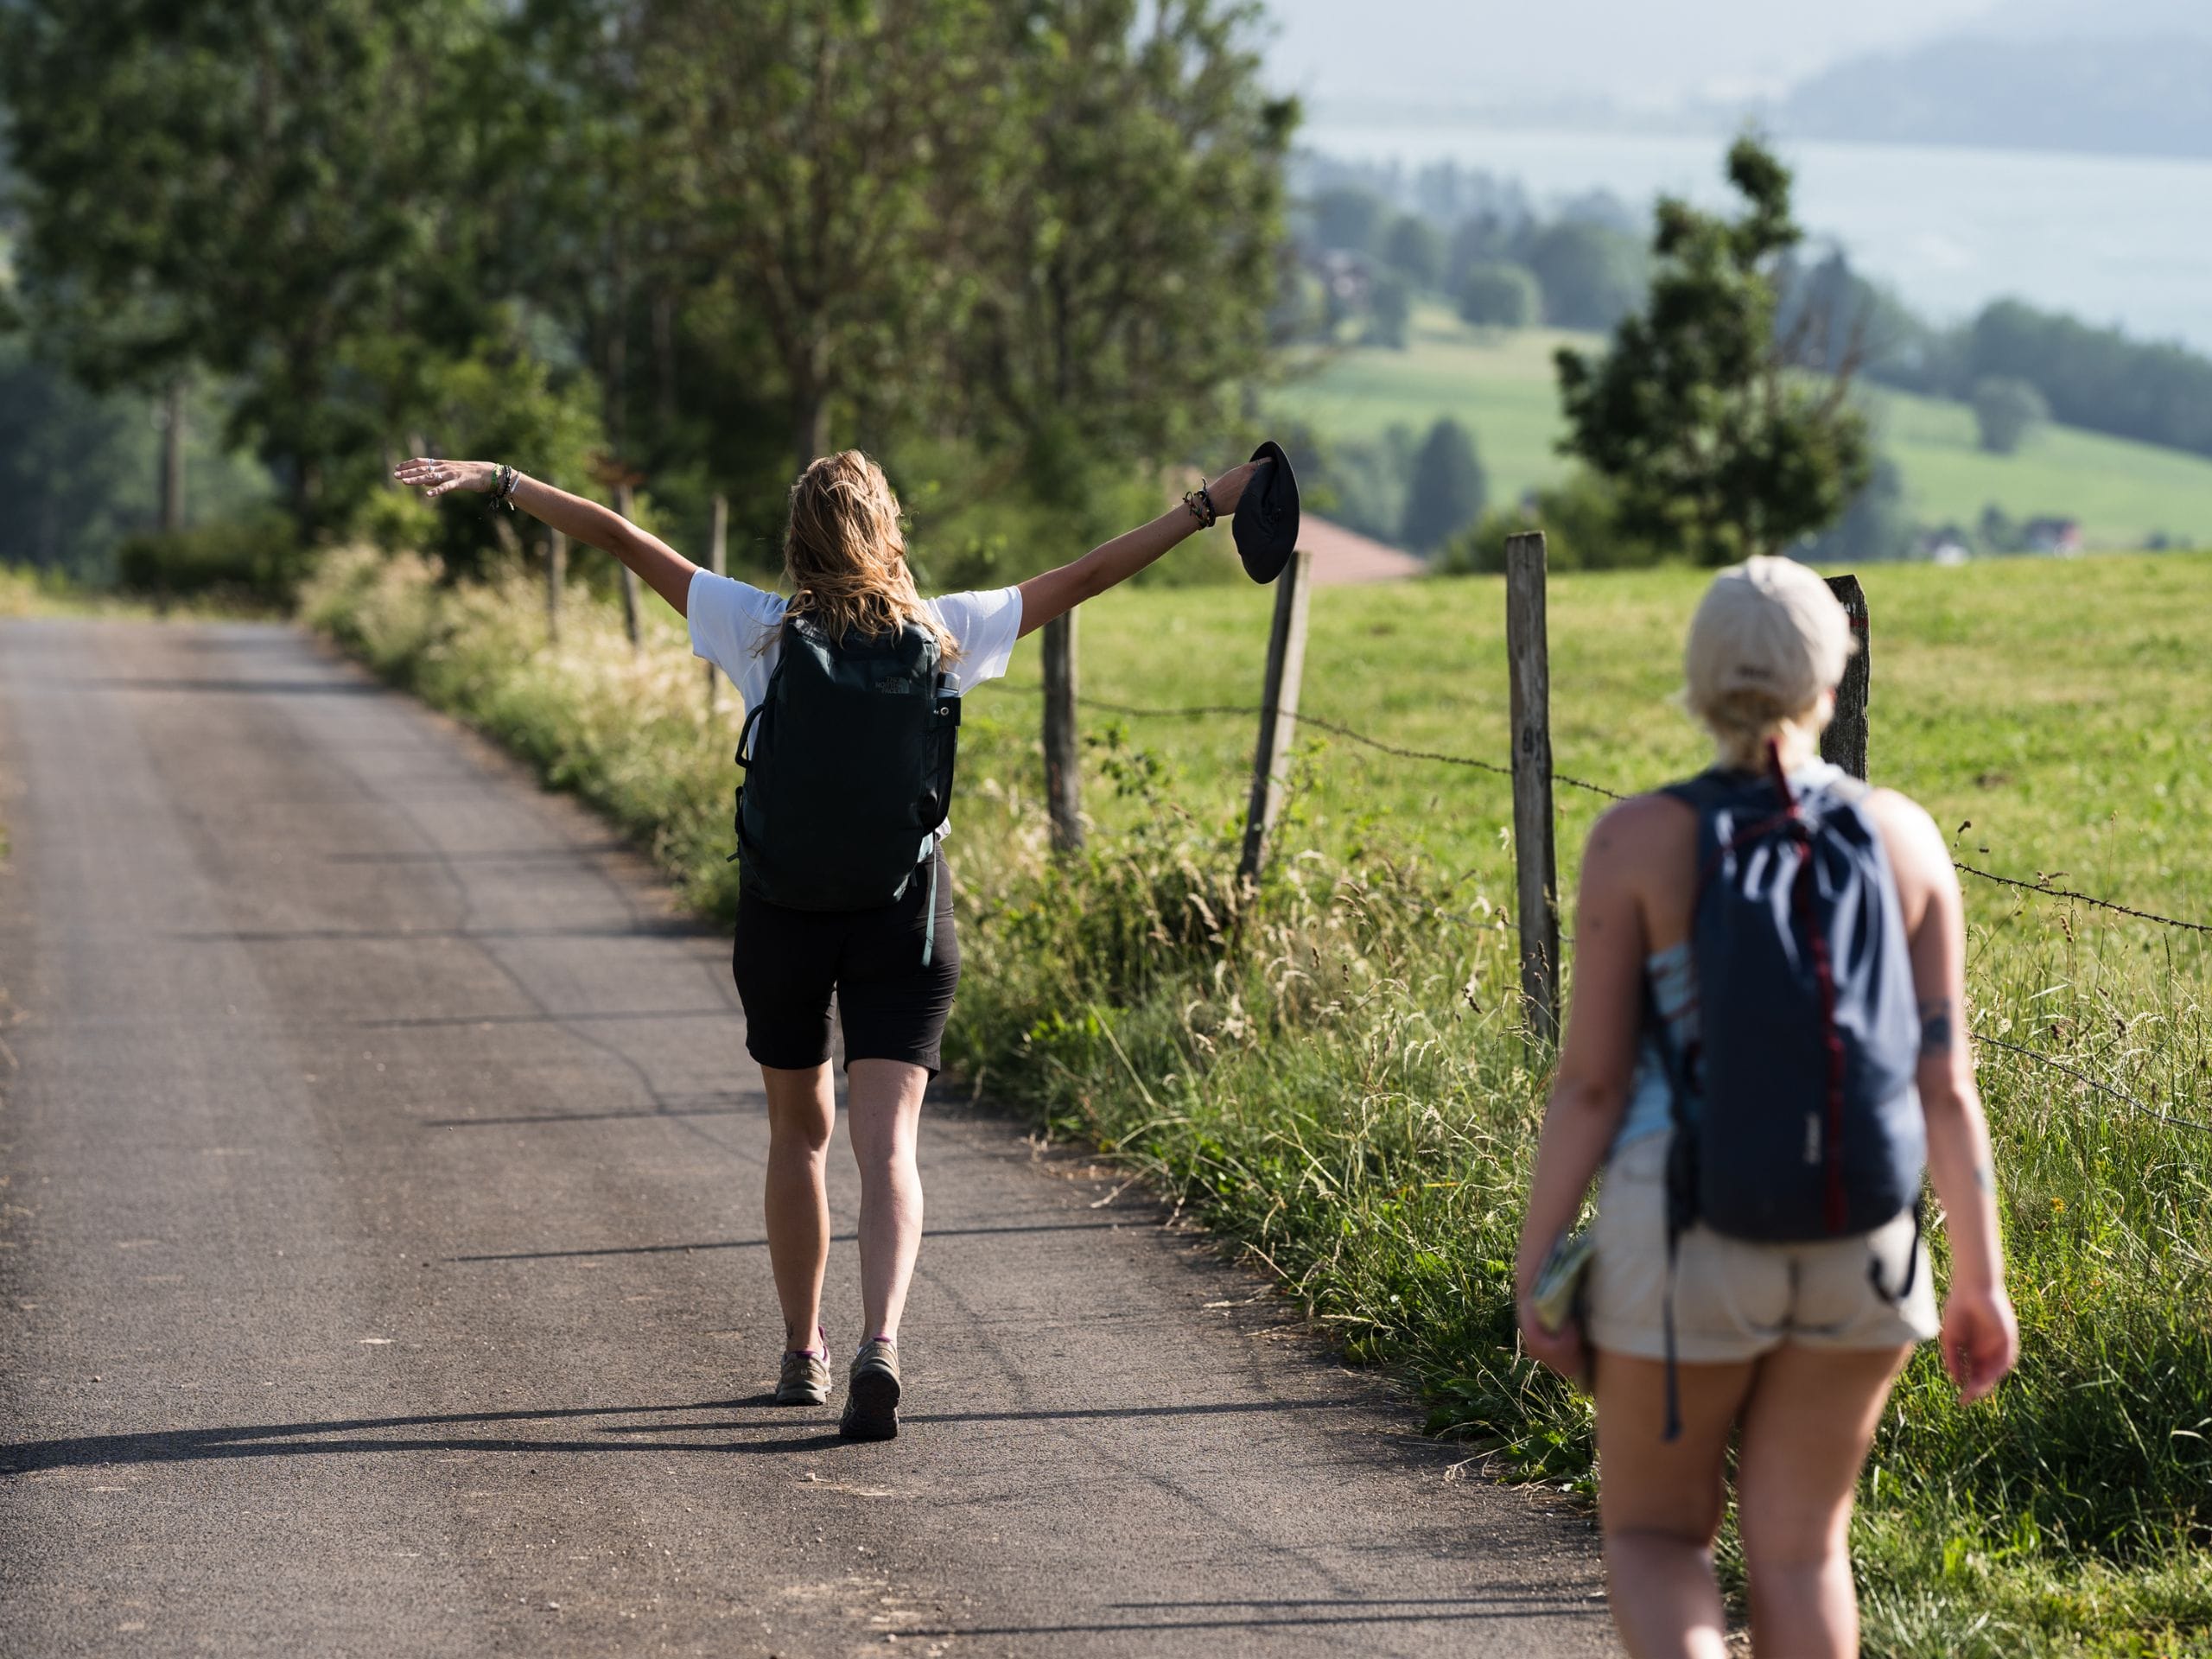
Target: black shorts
[(788, 964)]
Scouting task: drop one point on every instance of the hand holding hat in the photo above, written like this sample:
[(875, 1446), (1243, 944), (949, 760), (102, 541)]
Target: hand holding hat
[(1266, 525)]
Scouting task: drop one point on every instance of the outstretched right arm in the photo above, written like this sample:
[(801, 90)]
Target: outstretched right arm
[(667, 572)]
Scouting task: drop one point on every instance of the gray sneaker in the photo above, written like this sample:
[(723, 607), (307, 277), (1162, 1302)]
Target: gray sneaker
[(871, 1393), (805, 1379)]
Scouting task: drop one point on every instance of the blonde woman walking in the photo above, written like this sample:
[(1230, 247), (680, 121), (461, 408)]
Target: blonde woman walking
[(1765, 1044), (851, 687)]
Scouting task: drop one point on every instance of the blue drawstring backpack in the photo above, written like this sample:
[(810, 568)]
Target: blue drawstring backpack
[(1808, 1124)]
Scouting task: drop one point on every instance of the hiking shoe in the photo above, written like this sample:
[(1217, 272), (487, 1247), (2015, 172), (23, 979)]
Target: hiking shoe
[(805, 1379), (871, 1393)]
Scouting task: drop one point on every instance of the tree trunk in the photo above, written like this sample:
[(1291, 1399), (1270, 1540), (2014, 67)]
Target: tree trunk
[(173, 458), (810, 428), (810, 403)]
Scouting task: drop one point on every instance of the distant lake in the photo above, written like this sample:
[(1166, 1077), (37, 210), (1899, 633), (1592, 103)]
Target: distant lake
[(2113, 239)]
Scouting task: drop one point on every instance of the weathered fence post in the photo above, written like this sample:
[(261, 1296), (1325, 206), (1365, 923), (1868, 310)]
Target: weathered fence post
[(556, 578), (1844, 743), (1063, 760), (717, 562), (1534, 857), (630, 619), (1278, 710)]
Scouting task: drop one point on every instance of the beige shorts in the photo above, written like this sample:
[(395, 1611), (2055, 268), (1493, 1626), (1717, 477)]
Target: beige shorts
[(1735, 1301)]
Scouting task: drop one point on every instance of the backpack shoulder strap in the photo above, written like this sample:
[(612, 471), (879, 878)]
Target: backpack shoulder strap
[(767, 696)]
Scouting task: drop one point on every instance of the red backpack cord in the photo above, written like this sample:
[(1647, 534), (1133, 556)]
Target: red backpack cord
[(1835, 1213)]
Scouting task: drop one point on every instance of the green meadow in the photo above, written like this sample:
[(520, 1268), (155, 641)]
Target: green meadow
[(1500, 385), (1330, 1070)]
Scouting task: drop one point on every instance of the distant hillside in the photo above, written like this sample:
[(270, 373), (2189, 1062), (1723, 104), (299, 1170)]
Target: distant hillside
[(2138, 94)]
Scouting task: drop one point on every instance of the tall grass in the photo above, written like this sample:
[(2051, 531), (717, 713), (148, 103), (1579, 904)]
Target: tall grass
[(1332, 1073)]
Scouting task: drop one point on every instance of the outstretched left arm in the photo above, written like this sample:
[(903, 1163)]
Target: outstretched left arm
[(662, 568), (1056, 592)]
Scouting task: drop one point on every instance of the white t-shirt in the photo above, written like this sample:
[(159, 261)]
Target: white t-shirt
[(730, 619)]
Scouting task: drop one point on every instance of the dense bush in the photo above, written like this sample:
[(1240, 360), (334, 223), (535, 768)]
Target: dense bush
[(256, 561), (2005, 410), (1581, 524), (1498, 295)]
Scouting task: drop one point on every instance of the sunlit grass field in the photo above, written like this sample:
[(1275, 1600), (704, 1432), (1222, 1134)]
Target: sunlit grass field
[(1331, 1070), (2061, 707), (1501, 386)]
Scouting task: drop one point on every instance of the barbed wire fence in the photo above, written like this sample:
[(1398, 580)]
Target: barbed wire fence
[(1279, 716)]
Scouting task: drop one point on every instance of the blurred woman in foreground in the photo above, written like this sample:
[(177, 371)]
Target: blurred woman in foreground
[(1689, 1335)]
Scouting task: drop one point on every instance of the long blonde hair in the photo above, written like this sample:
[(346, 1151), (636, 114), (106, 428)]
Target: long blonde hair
[(845, 555)]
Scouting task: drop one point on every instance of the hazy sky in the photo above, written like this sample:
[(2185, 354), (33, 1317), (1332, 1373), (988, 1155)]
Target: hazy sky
[(1635, 52)]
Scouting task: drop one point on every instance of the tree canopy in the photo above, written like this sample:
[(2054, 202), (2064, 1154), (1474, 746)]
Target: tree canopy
[(1717, 446), (695, 251)]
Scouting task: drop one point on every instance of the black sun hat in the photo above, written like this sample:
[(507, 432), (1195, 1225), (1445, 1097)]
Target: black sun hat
[(1266, 525)]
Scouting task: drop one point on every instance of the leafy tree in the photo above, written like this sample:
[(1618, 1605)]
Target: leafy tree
[(1714, 444), (2096, 377), (1349, 217), (1500, 296), (2005, 412), (1445, 488), (1389, 311), (73, 467), (1481, 238), (825, 159), (1593, 275), (265, 188), (1415, 249), (1122, 263)]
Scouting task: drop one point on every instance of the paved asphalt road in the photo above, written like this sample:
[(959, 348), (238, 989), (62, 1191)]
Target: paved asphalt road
[(380, 1268)]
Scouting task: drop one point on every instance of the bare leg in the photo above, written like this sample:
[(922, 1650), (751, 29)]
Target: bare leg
[(1811, 1418), (802, 1109), (883, 1115), (1661, 1505)]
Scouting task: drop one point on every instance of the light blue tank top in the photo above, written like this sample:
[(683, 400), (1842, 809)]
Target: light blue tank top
[(1673, 990)]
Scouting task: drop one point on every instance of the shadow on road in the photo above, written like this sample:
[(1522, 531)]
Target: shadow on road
[(355, 1435), (762, 1243), (253, 688)]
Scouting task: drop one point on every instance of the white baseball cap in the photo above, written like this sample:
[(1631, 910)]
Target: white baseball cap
[(1768, 632)]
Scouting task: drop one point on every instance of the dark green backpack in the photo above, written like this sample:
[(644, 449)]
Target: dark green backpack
[(848, 770)]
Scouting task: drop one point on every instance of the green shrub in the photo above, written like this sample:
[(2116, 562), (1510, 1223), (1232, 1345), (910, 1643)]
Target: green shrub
[(256, 561), (1497, 294), (2006, 411), (1582, 528)]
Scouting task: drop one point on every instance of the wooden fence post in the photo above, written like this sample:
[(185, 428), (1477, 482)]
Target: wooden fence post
[(717, 562), (1278, 710), (1844, 743), (630, 618), (1535, 856), (556, 578), (1063, 753)]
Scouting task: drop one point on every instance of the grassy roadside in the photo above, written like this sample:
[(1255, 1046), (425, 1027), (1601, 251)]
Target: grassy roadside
[(1330, 1073)]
